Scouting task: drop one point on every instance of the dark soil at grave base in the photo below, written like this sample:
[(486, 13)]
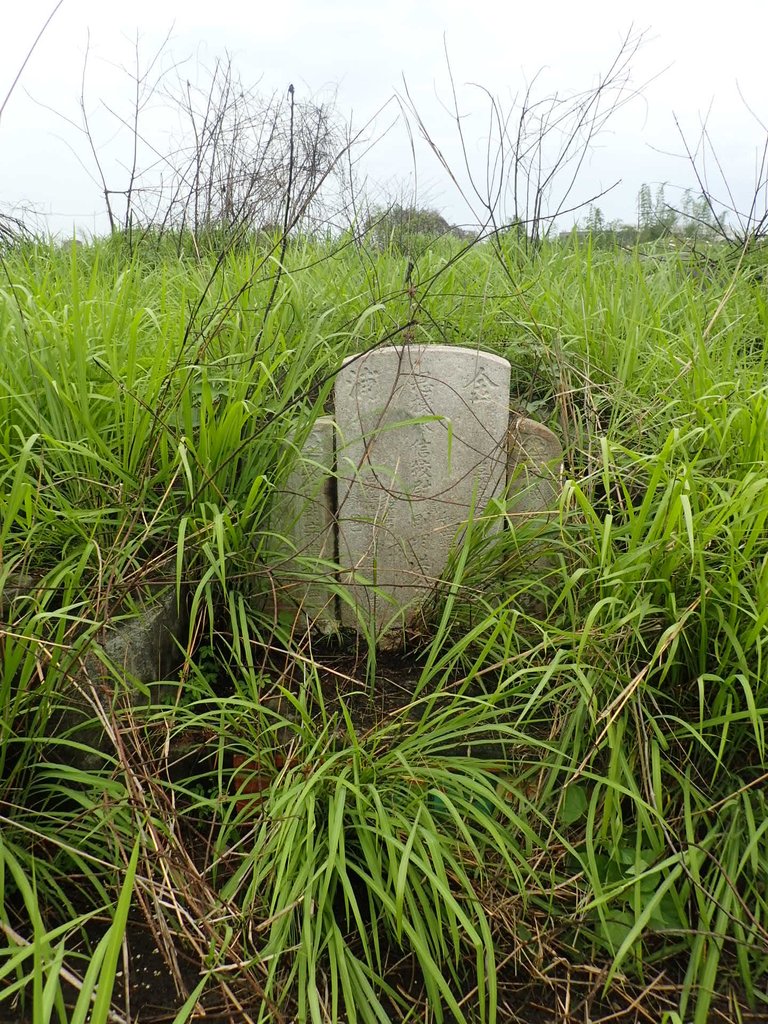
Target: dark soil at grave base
[(342, 676)]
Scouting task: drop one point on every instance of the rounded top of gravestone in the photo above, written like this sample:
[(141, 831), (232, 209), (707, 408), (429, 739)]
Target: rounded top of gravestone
[(414, 352)]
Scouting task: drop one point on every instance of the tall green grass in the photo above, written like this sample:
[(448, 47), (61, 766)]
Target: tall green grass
[(578, 776)]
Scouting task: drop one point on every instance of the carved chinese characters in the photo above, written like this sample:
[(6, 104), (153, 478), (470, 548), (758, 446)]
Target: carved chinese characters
[(422, 446)]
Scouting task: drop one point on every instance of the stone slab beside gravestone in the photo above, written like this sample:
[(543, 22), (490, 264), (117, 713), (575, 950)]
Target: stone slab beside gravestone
[(135, 651), (304, 526), (422, 447), (534, 468), (534, 472)]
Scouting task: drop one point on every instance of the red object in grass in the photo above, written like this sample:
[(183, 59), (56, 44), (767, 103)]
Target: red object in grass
[(254, 780)]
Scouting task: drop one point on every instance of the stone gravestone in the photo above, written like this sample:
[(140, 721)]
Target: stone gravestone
[(421, 439), (422, 446)]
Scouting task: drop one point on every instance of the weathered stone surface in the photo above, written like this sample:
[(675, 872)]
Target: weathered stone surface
[(422, 444), (146, 648), (303, 521), (140, 650), (534, 472), (13, 586), (534, 467)]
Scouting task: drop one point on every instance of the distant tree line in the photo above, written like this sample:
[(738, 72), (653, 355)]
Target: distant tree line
[(656, 218)]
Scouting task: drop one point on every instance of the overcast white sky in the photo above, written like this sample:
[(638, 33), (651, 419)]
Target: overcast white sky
[(703, 56)]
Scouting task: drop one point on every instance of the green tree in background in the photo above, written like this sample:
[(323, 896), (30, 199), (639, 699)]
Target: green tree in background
[(409, 229), (698, 219), (644, 209), (655, 217), (595, 222)]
